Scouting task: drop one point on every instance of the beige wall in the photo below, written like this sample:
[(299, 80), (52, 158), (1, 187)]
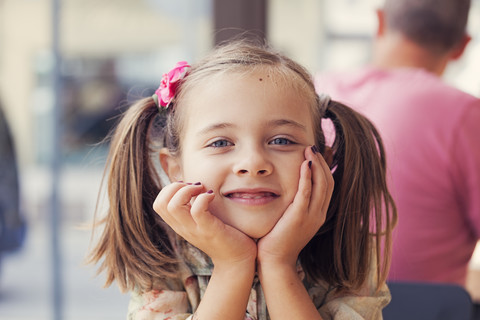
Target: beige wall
[(297, 28), (24, 32)]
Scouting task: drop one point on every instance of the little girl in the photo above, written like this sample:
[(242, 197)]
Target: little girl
[(252, 223)]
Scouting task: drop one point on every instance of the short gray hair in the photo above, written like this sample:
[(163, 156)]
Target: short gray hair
[(437, 25)]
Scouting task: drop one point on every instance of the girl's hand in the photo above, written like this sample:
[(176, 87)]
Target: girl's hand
[(303, 217), (184, 207)]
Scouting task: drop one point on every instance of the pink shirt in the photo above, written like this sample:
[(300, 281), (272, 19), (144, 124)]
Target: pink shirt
[(431, 133)]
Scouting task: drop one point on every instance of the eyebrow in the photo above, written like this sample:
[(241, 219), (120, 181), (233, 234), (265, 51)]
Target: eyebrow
[(216, 126), (285, 122), (272, 123)]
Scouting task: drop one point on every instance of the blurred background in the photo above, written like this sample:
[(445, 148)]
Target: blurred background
[(68, 67)]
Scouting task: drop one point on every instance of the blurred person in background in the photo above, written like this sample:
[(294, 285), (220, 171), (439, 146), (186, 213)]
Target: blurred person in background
[(431, 132), (12, 224)]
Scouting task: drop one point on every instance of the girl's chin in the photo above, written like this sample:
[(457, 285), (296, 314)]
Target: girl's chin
[(256, 234), (254, 228)]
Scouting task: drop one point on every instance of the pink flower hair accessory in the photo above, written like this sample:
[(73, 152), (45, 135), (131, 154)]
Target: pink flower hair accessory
[(168, 86)]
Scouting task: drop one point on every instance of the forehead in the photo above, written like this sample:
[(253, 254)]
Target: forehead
[(246, 100), (271, 77)]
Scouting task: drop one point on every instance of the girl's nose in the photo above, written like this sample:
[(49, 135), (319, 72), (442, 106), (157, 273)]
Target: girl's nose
[(253, 164)]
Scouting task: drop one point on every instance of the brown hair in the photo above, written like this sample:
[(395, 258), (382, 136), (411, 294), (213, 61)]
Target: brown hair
[(361, 211), (135, 245), (134, 248)]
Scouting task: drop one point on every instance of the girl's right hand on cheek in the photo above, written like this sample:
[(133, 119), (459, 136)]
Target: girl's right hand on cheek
[(184, 207)]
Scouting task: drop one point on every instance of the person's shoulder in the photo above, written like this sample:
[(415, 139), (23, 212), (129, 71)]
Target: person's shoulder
[(436, 83), (430, 90), (335, 82)]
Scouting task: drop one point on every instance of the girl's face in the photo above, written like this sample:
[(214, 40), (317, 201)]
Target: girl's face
[(244, 137)]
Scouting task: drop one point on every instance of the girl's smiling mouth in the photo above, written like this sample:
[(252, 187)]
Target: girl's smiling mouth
[(252, 197)]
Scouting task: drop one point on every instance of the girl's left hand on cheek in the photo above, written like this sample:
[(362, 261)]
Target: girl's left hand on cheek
[(304, 216)]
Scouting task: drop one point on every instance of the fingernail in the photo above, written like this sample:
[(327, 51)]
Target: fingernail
[(210, 191), (310, 164), (198, 183), (180, 181), (314, 149)]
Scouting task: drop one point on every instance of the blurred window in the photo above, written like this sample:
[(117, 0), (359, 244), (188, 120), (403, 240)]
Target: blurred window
[(111, 52), (325, 34)]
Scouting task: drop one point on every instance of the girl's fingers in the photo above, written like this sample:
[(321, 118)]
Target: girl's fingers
[(184, 196), (163, 199), (316, 183), (199, 209), (165, 195), (173, 203), (302, 198), (322, 181), (294, 216)]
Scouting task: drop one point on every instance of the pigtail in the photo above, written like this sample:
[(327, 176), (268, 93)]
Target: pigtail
[(134, 246), (361, 206)]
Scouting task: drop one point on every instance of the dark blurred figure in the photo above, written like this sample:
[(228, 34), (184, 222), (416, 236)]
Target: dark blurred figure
[(12, 223), (431, 132)]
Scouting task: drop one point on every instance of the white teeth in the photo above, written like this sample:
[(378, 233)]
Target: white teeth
[(250, 195)]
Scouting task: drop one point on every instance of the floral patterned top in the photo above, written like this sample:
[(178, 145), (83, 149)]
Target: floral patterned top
[(177, 299)]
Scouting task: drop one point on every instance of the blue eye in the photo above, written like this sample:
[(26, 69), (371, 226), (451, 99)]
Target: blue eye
[(281, 141), (220, 144)]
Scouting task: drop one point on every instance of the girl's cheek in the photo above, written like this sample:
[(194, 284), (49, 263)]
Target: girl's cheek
[(213, 208)]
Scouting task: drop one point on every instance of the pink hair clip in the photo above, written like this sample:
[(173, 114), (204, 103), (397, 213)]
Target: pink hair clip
[(168, 86)]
